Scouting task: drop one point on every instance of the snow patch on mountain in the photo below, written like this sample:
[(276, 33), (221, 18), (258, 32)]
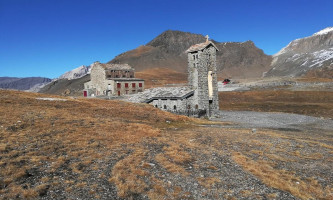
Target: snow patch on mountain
[(321, 56), (76, 73), (324, 31)]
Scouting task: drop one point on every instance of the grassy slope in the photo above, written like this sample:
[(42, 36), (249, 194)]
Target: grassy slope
[(95, 149), (313, 103), (159, 77)]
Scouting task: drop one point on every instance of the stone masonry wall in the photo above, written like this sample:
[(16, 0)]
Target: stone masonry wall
[(199, 63)]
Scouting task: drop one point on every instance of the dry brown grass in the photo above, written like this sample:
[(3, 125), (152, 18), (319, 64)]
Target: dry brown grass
[(128, 175), (67, 135), (313, 103), (281, 179), (75, 145), (159, 77)]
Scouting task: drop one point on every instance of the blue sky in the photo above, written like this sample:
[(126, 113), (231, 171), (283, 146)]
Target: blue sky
[(49, 37)]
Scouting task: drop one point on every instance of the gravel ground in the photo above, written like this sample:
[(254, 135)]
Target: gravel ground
[(281, 121)]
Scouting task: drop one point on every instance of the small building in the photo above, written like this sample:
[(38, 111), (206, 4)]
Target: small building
[(112, 80)]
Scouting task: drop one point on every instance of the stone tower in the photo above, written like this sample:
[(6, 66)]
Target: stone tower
[(202, 77)]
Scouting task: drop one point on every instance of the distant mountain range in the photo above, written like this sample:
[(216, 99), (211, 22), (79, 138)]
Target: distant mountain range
[(22, 83), (309, 56)]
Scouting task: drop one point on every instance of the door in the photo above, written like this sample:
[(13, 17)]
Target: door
[(85, 93)]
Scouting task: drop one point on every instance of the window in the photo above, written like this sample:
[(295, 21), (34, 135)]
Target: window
[(189, 107), (118, 85), (133, 91), (174, 107), (126, 85), (126, 91), (196, 106), (118, 93), (140, 84), (117, 76), (193, 57), (165, 107), (131, 76), (155, 106), (197, 56), (133, 85), (124, 76)]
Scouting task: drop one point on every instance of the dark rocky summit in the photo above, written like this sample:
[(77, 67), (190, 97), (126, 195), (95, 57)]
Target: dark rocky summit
[(235, 59)]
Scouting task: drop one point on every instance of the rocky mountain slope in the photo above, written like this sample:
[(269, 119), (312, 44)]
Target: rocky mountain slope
[(72, 87), (76, 73), (22, 83), (301, 56), (235, 59), (69, 83)]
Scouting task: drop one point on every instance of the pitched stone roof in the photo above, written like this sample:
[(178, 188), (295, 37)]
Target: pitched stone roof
[(116, 66), (201, 46), (161, 93)]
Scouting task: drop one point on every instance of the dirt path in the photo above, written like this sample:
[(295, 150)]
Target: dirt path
[(281, 121)]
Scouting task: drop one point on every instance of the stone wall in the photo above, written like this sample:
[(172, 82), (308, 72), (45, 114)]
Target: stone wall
[(182, 105)]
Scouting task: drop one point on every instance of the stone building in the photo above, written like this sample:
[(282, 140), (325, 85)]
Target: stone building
[(112, 79), (200, 97), (202, 76)]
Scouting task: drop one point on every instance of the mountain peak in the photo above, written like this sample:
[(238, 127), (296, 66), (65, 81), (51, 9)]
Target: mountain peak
[(324, 31), (173, 37)]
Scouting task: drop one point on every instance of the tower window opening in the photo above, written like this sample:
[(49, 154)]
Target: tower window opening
[(165, 107), (174, 107)]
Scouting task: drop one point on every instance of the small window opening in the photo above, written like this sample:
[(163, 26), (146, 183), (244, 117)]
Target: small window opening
[(174, 107), (196, 106), (165, 107), (189, 107), (155, 106)]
